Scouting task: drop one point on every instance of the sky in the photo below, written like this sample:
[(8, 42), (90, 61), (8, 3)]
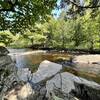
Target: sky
[(56, 12)]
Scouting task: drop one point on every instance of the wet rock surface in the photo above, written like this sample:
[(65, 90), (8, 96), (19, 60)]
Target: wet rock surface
[(49, 82)]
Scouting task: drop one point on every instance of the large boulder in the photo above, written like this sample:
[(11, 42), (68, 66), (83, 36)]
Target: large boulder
[(45, 71), (35, 81), (67, 86), (60, 85)]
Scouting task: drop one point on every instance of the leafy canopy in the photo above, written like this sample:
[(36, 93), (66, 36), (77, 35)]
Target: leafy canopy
[(17, 15)]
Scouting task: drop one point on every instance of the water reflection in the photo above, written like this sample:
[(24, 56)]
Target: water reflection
[(27, 57)]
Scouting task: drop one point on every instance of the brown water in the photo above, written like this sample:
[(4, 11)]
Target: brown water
[(32, 59), (27, 57)]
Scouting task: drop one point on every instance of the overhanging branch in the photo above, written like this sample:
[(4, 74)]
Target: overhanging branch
[(79, 6)]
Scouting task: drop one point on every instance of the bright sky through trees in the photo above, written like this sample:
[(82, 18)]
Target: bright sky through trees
[(56, 12)]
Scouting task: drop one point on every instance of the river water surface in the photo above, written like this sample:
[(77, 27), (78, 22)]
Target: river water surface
[(28, 58)]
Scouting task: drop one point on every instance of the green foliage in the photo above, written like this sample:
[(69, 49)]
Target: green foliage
[(19, 15), (77, 30), (6, 37)]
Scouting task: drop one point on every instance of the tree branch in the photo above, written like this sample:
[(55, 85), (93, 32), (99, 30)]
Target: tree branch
[(79, 6), (12, 7)]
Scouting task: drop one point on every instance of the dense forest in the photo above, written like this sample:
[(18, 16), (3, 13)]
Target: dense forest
[(78, 26)]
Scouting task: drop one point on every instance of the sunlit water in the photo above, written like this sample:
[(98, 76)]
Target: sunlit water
[(27, 57)]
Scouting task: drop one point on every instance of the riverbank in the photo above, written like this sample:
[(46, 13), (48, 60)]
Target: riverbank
[(76, 51), (68, 50), (47, 82)]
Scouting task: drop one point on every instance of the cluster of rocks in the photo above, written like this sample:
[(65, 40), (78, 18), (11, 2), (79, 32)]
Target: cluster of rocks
[(8, 70), (49, 82)]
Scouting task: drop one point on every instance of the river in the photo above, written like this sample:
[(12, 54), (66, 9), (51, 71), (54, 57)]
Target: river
[(27, 58)]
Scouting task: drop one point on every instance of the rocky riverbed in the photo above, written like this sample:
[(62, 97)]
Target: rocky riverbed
[(49, 82), (87, 59)]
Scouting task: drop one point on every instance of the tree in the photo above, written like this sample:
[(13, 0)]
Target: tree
[(62, 34), (81, 4), (78, 35), (6, 37), (74, 7), (35, 37), (18, 15), (91, 30)]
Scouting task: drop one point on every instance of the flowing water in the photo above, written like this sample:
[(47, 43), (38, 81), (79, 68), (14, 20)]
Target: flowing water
[(27, 57), (31, 59)]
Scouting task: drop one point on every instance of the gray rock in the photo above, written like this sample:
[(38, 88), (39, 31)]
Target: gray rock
[(24, 92), (3, 51), (5, 60), (24, 74), (63, 81), (66, 85), (86, 90), (8, 78), (45, 71)]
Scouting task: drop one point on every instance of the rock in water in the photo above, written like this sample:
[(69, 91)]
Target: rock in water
[(45, 71), (24, 74)]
